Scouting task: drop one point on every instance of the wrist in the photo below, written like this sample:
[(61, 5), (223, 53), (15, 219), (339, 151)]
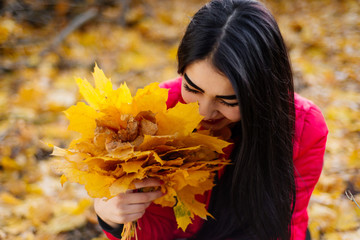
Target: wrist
[(112, 224), (107, 224), (115, 229)]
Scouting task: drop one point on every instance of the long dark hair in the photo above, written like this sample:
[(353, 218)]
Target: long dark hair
[(256, 195)]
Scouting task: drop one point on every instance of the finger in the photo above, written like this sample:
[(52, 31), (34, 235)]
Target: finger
[(135, 216), (132, 208), (146, 197), (148, 182), (136, 197), (127, 218)]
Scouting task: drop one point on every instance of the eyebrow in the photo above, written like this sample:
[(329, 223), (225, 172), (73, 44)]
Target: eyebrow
[(191, 83), (229, 97)]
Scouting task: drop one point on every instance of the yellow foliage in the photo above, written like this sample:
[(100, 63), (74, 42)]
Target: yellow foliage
[(354, 159), (8, 163), (35, 88), (126, 139), (348, 221), (323, 217), (8, 198), (82, 206)]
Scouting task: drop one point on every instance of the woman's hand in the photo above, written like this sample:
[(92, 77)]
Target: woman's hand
[(129, 206)]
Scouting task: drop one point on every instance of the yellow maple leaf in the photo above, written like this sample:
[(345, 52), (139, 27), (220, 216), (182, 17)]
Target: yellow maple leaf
[(82, 119), (169, 199), (92, 97), (102, 83), (183, 215), (133, 166), (63, 179), (151, 98), (121, 185), (186, 194), (184, 117)]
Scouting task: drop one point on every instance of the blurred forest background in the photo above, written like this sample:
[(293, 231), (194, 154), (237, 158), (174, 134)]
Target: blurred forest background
[(45, 44)]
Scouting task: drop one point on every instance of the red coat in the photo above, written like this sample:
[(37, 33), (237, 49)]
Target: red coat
[(159, 223)]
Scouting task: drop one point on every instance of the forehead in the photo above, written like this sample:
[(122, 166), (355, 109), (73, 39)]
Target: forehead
[(204, 75)]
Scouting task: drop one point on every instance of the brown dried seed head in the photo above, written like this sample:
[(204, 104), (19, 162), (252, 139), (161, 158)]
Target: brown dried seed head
[(103, 135), (147, 127), (148, 115), (133, 130)]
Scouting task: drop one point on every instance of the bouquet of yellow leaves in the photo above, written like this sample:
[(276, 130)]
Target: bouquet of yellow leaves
[(126, 139)]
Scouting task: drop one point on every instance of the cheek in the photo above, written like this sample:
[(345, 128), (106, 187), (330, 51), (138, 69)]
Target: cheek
[(188, 97), (233, 114)]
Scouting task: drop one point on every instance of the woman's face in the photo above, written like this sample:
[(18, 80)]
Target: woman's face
[(217, 100)]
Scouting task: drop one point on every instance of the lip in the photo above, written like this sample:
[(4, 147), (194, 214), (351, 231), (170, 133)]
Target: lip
[(212, 121)]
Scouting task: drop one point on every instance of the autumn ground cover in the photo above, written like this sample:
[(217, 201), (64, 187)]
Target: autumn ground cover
[(44, 46)]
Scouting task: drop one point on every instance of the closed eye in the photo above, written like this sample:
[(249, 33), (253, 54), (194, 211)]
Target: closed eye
[(187, 88), (229, 104)]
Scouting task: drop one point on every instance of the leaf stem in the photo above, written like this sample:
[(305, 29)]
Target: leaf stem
[(351, 197)]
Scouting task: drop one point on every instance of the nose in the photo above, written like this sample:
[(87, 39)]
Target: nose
[(207, 109)]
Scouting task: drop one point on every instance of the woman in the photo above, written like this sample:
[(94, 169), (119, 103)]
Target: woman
[(233, 61)]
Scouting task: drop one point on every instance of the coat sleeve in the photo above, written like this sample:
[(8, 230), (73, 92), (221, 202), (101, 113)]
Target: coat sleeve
[(174, 95), (308, 164), (110, 232)]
